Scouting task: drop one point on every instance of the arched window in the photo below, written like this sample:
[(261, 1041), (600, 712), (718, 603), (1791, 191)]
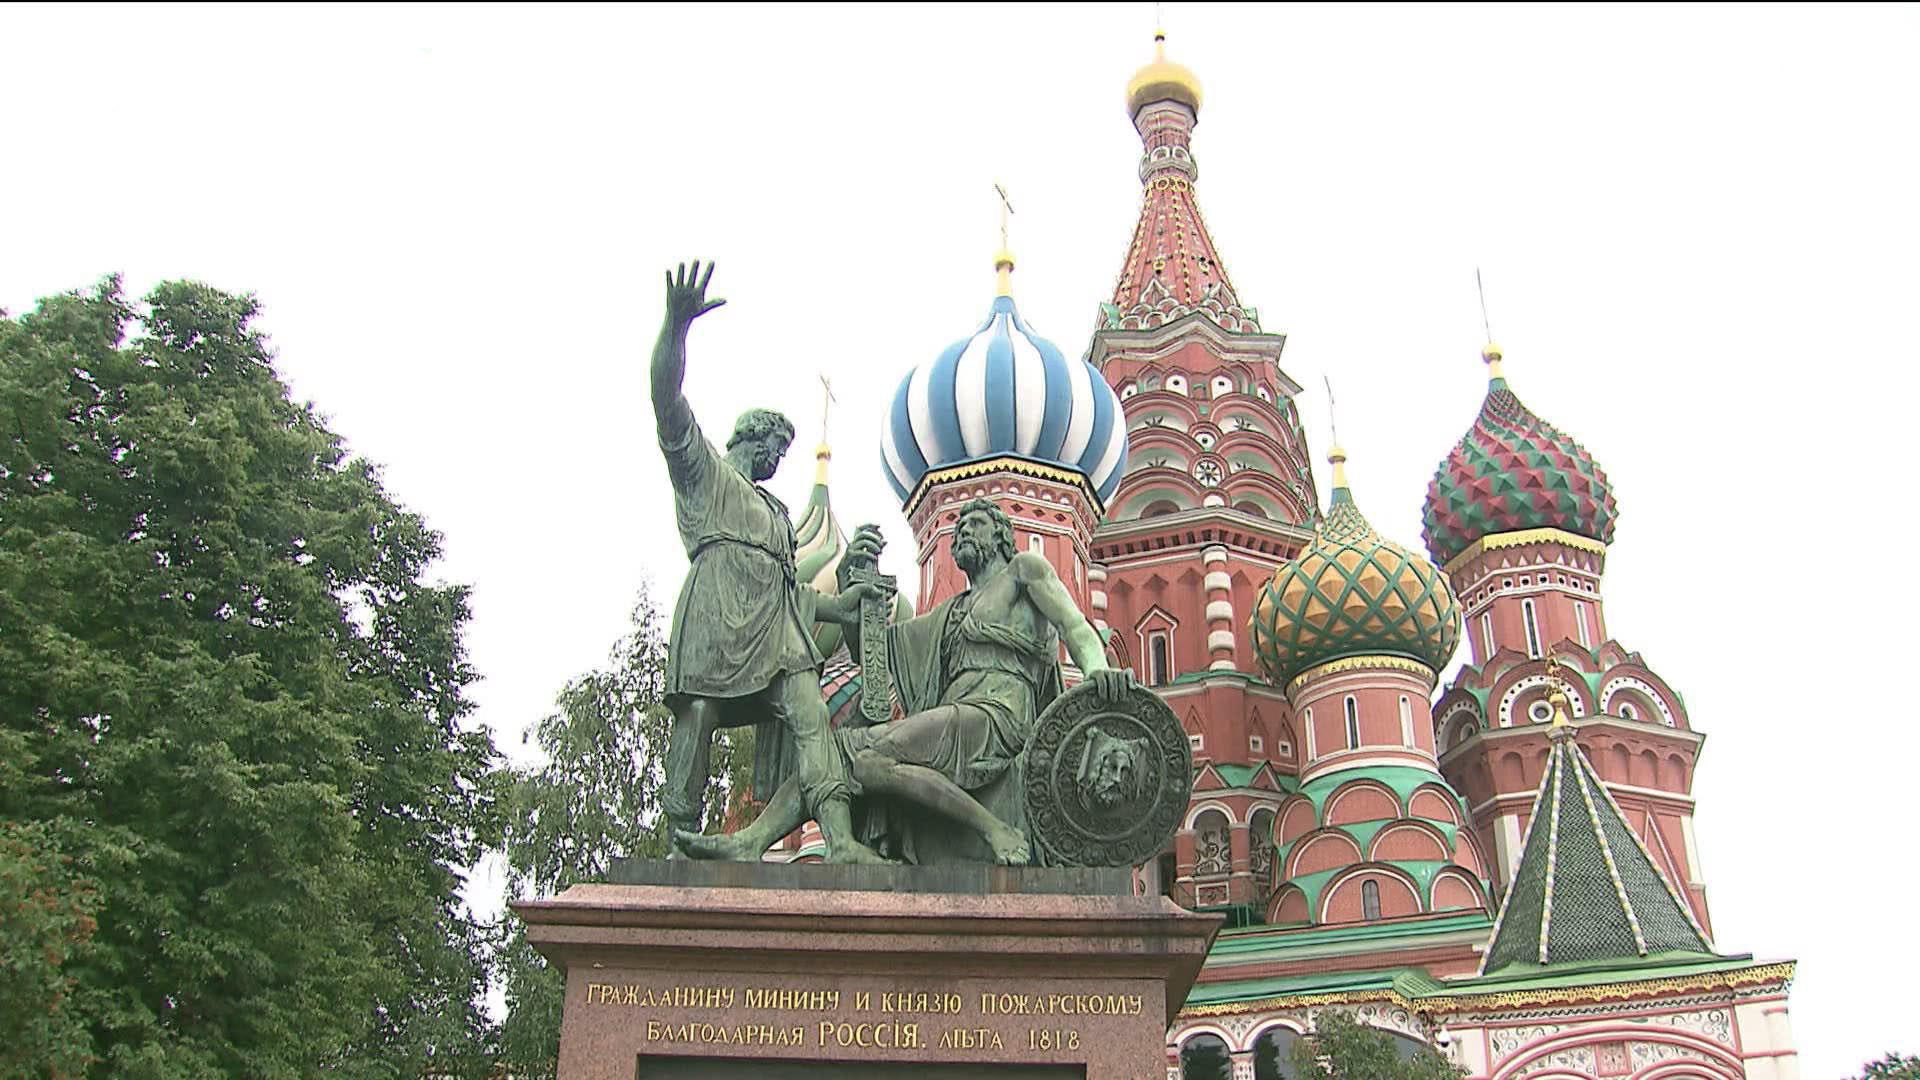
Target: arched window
[(1260, 850), (1370, 900), (1273, 1054), (1222, 386), (1177, 383), (1353, 724), (1533, 628), (1580, 622), (1129, 390), (1205, 1057), (1036, 545), (1486, 631), (1406, 721), (1159, 659), (1160, 508), (1212, 845)]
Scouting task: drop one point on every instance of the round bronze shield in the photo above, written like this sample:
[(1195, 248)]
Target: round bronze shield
[(1106, 782)]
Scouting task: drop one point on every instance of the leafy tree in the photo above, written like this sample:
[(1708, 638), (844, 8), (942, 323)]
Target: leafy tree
[(239, 707), (46, 919), (595, 799), (1342, 1048), (1891, 1067)]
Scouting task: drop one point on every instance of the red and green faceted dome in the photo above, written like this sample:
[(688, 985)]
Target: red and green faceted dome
[(1511, 471), (1352, 592)]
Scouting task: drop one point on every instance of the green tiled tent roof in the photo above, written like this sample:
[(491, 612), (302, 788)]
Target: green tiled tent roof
[(1587, 889)]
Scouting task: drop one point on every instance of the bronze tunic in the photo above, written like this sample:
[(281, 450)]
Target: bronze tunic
[(739, 622)]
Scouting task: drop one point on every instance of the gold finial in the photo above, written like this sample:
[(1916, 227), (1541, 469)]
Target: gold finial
[(1335, 455), (1491, 352), (823, 453), (1491, 355), (1558, 699), (1003, 259), (1557, 696), (1162, 80)]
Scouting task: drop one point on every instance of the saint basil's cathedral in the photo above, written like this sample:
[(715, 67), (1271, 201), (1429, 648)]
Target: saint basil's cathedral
[(1503, 868)]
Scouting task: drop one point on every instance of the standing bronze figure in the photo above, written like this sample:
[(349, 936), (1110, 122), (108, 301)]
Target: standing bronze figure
[(741, 649)]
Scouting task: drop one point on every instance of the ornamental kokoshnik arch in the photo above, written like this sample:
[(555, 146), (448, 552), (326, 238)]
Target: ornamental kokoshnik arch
[(1105, 784)]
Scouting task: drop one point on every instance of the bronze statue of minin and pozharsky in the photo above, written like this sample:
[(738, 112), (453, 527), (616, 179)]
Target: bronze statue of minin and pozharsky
[(987, 758)]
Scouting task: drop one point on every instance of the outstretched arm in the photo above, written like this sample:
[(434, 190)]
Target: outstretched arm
[(1082, 640), (686, 301)]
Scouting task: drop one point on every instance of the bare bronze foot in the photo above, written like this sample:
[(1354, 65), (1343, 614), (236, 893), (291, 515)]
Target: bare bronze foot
[(724, 848), (1010, 847), (855, 853)]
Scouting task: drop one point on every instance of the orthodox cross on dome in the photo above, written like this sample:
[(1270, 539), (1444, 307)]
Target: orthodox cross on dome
[(824, 452), (1488, 352), (1003, 259), (1558, 692), (1336, 456)]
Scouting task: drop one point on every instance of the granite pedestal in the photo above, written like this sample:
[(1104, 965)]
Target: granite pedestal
[(718, 970)]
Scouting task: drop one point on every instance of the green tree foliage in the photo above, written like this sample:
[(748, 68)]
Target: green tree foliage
[(595, 799), (1891, 1067), (239, 706), (46, 919), (1342, 1048)]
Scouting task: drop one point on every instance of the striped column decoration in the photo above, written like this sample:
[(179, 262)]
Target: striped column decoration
[(1097, 596), (1220, 640)]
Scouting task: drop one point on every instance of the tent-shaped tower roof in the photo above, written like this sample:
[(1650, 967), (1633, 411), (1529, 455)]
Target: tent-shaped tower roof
[(1587, 890)]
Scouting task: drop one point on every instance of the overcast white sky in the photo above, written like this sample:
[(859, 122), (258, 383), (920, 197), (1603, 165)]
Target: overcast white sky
[(1698, 228)]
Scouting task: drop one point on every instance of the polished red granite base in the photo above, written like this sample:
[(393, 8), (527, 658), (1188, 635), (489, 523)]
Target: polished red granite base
[(743, 977)]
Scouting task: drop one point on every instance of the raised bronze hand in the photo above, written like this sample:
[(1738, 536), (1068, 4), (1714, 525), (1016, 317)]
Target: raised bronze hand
[(687, 295)]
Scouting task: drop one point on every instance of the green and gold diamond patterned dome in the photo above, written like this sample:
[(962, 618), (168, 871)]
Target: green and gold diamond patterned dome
[(1352, 593), (1511, 471)]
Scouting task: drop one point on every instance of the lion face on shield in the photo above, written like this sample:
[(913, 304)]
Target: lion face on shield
[(1111, 771)]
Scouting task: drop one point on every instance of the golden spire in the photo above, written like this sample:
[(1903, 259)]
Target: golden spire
[(1336, 456), (1003, 259), (1491, 352)]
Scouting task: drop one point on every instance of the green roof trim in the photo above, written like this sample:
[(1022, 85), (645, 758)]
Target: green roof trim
[(1402, 780), (1587, 890), (1236, 775), (1416, 988)]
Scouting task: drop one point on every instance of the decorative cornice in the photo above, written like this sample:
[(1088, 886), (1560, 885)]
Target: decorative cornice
[(1442, 1002), (1022, 466), (1297, 1001), (1521, 538), (1615, 991), (1355, 663)]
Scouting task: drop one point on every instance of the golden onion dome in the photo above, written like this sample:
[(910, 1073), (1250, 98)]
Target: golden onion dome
[(1162, 80), (1352, 592)]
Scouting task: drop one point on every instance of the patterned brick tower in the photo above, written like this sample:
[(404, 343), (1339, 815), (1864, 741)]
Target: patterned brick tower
[(1217, 495), (1520, 516), (1357, 629)]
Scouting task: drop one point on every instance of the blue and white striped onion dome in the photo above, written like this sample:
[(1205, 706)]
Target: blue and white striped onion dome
[(1004, 391)]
